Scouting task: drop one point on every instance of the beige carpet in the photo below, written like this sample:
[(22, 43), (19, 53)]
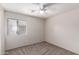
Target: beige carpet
[(42, 48)]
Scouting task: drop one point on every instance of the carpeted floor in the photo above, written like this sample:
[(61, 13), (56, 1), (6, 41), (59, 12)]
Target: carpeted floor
[(42, 48)]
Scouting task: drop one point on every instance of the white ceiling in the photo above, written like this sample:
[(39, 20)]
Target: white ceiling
[(25, 8)]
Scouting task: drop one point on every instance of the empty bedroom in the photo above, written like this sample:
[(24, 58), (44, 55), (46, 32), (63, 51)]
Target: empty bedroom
[(39, 28)]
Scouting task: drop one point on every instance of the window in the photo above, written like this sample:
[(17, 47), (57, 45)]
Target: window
[(16, 26)]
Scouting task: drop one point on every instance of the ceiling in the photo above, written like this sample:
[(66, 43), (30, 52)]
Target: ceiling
[(26, 8)]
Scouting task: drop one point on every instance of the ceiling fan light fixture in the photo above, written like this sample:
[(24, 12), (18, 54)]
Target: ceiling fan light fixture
[(41, 12)]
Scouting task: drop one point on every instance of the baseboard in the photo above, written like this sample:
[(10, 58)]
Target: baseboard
[(62, 47), (26, 45), (45, 42)]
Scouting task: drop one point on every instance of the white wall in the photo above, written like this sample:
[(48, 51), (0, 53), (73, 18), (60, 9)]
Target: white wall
[(34, 34), (1, 31), (63, 30)]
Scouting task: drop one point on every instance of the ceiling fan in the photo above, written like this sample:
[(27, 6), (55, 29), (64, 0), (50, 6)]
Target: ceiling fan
[(43, 7)]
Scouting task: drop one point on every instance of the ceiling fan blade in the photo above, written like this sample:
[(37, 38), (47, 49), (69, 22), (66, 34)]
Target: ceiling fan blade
[(48, 4), (33, 11)]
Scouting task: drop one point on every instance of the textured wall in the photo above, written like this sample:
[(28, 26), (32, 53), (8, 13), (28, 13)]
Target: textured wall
[(63, 30)]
